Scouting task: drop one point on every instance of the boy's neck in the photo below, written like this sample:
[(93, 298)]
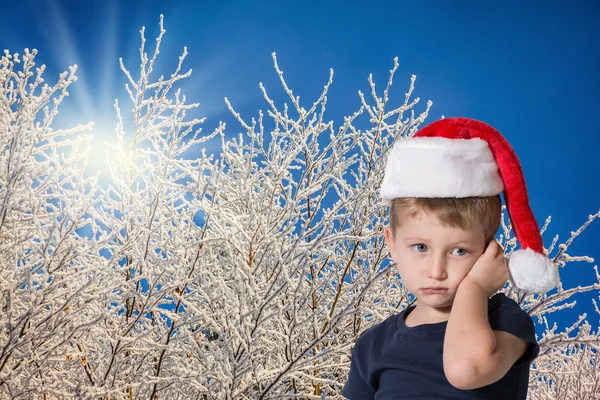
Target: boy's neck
[(427, 315)]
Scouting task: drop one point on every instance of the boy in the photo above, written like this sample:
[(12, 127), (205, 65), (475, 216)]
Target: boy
[(443, 187)]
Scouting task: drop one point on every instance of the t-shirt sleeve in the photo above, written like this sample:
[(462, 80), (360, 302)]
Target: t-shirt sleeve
[(356, 387), (506, 315)]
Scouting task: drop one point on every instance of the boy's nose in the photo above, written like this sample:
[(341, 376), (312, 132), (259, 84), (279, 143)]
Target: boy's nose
[(437, 270)]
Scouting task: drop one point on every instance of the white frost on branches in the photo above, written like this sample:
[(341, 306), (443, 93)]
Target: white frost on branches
[(120, 293)]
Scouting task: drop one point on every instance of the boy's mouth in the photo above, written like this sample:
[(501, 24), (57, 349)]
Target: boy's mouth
[(434, 289)]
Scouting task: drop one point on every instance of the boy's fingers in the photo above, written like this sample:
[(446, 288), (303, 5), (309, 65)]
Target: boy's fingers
[(500, 249), (492, 248)]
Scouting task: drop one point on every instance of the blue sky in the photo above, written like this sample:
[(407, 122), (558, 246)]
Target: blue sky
[(527, 68)]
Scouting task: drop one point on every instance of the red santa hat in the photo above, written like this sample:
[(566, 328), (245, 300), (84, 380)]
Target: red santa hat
[(461, 157)]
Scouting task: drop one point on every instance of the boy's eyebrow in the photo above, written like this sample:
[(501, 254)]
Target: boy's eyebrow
[(414, 238), (419, 239), (466, 241)]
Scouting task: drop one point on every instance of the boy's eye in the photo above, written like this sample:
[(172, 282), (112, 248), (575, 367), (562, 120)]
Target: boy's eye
[(463, 252), (419, 247)]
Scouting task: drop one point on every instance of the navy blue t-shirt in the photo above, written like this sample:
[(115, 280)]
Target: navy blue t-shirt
[(393, 361)]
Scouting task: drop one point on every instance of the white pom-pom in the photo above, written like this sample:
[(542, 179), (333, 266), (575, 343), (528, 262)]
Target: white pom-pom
[(532, 272)]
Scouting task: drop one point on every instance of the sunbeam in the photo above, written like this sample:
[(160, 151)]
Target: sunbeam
[(110, 59), (56, 30)]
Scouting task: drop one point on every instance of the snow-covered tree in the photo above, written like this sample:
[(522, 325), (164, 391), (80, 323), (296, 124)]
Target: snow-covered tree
[(247, 274)]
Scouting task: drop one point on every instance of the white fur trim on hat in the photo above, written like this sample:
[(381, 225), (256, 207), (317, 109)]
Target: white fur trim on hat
[(440, 167), (532, 272)]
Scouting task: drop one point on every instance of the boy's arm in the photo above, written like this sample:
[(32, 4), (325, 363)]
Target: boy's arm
[(356, 388), (474, 354)]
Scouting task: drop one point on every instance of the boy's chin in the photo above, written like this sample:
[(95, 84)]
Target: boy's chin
[(436, 301)]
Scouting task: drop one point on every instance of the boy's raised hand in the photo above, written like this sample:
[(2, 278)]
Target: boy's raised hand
[(490, 270)]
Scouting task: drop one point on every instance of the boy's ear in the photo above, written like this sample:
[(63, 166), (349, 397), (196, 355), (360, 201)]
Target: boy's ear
[(389, 239), (387, 234)]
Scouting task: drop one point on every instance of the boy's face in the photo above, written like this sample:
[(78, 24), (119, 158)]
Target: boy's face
[(429, 254)]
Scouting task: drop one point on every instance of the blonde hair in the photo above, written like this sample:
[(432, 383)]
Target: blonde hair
[(450, 211)]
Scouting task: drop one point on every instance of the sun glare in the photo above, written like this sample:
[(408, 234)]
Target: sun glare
[(100, 151)]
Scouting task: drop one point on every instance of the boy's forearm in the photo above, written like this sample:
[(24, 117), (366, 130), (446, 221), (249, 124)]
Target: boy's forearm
[(469, 339)]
